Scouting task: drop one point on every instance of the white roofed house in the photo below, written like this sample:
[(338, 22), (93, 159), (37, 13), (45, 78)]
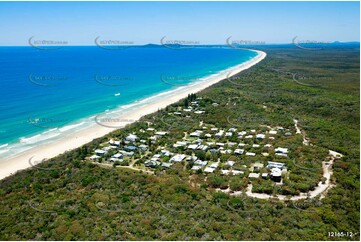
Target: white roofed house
[(193, 146), (161, 133), (229, 134), (250, 154), (143, 147), (239, 151), (94, 157), (209, 170), (272, 132), (114, 142), (200, 163), (178, 158), (100, 152), (260, 136), (281, 151), (197, 133), (219, 134), (131, 138), (276, 174)]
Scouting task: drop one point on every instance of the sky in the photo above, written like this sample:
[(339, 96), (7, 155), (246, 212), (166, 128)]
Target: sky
[(79, 23)]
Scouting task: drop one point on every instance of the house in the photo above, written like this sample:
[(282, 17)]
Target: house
[(166, 165), (229, 134), (267, 145), (178, 158), (226, 151), (196, 168), (219, 134), (94, 157), (242, 133), (288, 134), (230, 163), (258, 166), (213, 150), (272, 132), (253, 131), (239, 151), (177, 113), (276, 174), (232, 130), (260, 136), (250, 154), (100, 152), (188, 109), (118, 156), (161, 133), (165, 152), (131, 153), (209, 169), (200, 163), (281, 151), (225, 172), (130, 147), (231, 144), (150, 129), (143, 147), (199, 112), (193, 146), (208, 135), (220, 144), (191, 158), (131, 138), (272, 164), (236, 172), (214, 129), (253, 175), (180, 144), (114, 142), (196, 133), (241, 144), (151, 163), (202, 147), (264, 175), (255, 146), (249, 136), (214, 165)]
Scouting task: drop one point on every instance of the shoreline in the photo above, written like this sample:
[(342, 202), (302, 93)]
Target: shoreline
[(49, 150)]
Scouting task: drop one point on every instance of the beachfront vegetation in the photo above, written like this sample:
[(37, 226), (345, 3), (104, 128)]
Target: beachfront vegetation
[(72, 198)]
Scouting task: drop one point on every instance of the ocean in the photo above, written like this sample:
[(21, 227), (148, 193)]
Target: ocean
[(47, 94)]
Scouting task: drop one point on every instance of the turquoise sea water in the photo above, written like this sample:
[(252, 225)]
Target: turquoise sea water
[(46, 94)]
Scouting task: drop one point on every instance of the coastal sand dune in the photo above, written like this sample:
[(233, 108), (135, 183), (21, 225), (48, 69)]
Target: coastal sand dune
[(77, 139)]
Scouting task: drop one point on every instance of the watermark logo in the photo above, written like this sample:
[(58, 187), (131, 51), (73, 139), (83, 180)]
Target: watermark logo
[(46, 80), (308, 205), (300, 79), (45, 123), (42, 44), (46, 165), (178, 80), (307, 165), (113, 44), (111, 122), (242, 121), (243, 44), (39, 207), (309, 44), (113, 80), (178, 44)]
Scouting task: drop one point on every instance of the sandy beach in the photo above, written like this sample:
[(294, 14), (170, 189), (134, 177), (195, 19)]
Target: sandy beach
[(77, 139)]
